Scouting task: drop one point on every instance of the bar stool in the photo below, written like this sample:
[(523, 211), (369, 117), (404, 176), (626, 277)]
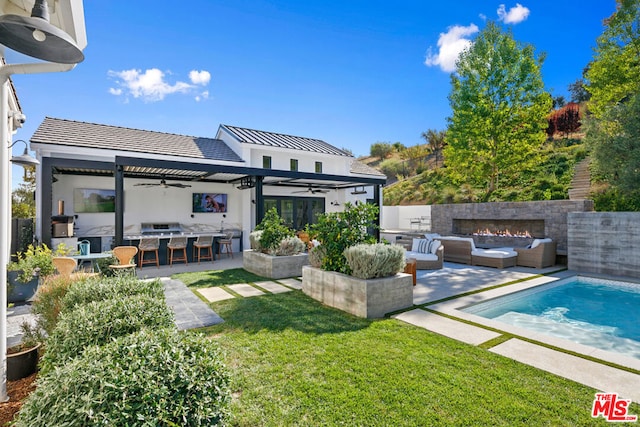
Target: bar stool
[(227, 243), (177, 243), (149, 244), (203, 242)]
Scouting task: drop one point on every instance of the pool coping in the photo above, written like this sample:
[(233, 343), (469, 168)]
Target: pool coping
[(453, 309)]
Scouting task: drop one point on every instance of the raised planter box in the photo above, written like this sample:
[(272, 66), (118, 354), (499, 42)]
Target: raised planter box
[(370, 298), (274, 267)]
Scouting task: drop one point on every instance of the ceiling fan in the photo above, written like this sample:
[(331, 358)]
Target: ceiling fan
[(312, 190), (163, 183)]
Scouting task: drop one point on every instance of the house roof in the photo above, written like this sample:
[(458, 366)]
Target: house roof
[(71, 133), (364, 169), (272, 139)]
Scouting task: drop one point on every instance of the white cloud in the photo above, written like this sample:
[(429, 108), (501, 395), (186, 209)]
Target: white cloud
[(151, 85), (450, 45), (515, 15), (201, 96), (200, 77)]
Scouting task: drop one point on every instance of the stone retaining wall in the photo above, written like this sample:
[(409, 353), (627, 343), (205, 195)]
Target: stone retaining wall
[(604, 243), (553, 212)]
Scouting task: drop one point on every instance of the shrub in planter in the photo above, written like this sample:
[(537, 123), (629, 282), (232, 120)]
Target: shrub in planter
[(273, 230), (99, 322), (290, 246), (117, 287), (374, 261), (36, 260), (149, 378), (254, 240), (338, 231), (316, 254)]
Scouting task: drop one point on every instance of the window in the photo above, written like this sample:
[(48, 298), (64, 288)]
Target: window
[(296, 212), (318, 167), (266, 162), (294, 164)]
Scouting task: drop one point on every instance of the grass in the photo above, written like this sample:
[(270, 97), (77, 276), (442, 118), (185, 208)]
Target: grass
[(295, 362), (218, 277)]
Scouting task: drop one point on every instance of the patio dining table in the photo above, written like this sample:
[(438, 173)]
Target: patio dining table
[(91, 258)]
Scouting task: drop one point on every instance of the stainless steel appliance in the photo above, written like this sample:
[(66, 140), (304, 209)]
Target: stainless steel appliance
[(62, 226)]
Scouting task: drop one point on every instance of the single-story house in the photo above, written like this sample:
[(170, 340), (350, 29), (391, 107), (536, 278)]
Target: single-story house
[(106, 184)]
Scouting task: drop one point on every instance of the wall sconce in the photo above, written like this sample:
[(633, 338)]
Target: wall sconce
[(335, 203), (246, 183), (25, 159)]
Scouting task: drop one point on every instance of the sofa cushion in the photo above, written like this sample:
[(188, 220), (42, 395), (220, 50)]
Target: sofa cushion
[(435, 244), (423, 246), (419, 256), (536, 242), (495, 253), (431, 236)]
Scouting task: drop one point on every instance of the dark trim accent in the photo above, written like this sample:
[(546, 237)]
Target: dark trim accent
[(376, 201), (259, 201), (119, 215)]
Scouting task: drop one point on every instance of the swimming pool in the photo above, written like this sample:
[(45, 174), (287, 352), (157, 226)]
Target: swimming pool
[(604, 314)]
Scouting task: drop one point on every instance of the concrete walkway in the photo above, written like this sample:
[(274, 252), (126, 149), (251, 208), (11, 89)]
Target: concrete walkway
[(190, 311)]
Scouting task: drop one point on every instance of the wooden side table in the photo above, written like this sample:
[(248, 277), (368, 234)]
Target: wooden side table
[(410, 268)]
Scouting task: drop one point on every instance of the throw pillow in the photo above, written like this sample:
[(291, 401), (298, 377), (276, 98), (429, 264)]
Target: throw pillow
[(435, 245)]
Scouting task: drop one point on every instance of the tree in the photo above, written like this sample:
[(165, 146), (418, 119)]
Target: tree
[(578, 91), (500, 110), (614, 74), (23, 204), (435, 139), (381, 150), (558, 101)]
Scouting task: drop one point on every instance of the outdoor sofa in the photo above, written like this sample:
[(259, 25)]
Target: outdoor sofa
[(428, 257), (463, 250)]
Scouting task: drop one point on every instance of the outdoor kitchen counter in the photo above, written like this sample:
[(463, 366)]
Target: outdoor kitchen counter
[(134, 240)]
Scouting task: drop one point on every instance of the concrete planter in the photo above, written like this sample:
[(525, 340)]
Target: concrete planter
[(370, 298), (274, 267)]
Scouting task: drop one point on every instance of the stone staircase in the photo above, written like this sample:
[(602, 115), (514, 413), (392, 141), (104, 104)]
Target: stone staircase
[(581, 183)]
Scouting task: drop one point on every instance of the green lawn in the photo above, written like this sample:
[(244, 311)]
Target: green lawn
[(295, 362)]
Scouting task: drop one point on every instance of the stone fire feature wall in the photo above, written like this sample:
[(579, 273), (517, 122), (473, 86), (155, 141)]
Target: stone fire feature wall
[(553, 212)]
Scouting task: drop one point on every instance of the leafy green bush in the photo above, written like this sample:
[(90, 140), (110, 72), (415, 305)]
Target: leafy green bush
[(104, 263), (149, 378), (117, 287), (373, 261), (36, 260), (99, 322), (336, 231), (273, 231)]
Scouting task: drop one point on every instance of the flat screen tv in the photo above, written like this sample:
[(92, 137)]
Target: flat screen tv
[(91, 200), (209, 202)]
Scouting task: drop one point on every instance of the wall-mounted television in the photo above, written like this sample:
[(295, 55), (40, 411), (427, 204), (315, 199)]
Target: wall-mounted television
[(209, 202), (91, 200)]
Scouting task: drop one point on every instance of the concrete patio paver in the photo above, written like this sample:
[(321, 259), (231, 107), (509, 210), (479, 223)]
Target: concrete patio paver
[(189, 310), (215, 293), (596, 375), (273, 287), (447, 327), (245, 290), (292, 283)]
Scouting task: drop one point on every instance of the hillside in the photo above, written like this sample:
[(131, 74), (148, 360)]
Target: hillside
[(421, 181)]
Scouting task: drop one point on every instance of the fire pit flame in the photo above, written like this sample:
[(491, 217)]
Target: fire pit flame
[(502, 233)]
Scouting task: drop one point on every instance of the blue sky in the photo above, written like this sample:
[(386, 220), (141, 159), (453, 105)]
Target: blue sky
[(349, 72)]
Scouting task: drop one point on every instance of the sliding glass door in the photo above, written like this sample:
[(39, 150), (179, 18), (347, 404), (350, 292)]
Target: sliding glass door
[(296, 211)]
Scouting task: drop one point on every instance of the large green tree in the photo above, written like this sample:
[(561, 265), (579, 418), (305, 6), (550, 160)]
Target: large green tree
[(614, 74), (435, 139), (613, 128), (499, 110)]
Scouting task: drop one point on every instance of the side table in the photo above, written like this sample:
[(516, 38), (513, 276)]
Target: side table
[(410, 268)]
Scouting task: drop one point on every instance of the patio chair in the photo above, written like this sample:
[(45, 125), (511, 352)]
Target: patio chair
[(541, 254), (177, 244), (203, 242), (149, 244), (227, 243), (67, 266), (125, 255)]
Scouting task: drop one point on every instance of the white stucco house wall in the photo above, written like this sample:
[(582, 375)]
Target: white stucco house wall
[(154, 178)]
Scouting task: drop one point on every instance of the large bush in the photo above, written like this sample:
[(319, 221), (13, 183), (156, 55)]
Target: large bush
[(117, 287), (150, 378), (48, 304), (273, 230), (336, 231), (99, 322), (374, 261)]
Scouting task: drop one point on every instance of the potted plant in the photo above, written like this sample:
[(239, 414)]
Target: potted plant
[(22, 359), (275, 251), (24, 274)]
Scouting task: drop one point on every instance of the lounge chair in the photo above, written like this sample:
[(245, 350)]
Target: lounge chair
[(541, 254)]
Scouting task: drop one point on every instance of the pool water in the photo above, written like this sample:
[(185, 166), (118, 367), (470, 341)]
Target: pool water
[(599, 313)]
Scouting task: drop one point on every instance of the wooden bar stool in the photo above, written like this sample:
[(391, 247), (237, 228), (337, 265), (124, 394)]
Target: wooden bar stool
[(177, 243), (149, 244), (203, 242), (227, 243)]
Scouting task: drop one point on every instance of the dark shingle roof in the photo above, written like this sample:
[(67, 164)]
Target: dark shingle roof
[(90, 135), (271, 139), (364, 169)]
